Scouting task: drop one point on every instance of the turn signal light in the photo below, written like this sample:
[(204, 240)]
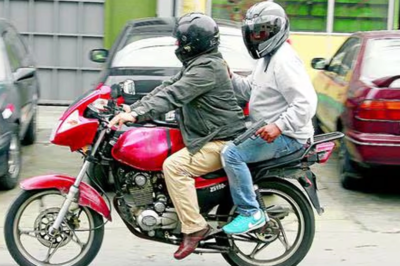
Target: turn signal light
[(379, 110)]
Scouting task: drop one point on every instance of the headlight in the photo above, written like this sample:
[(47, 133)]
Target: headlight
[(170, 116), (98, 105), (71, 121)]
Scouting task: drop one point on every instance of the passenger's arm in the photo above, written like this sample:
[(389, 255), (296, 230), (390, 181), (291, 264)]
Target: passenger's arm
[(297, 89), (242, 87)]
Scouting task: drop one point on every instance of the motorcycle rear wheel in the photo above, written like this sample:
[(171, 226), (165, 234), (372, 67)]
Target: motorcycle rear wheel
[(68, 234), (303, 240)]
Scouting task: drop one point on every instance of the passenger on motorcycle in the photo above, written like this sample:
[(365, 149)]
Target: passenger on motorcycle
[(280, 92), (202, 87)]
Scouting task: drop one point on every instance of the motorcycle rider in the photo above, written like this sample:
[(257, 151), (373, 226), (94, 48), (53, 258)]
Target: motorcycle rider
[(202, 87), (280, 92)]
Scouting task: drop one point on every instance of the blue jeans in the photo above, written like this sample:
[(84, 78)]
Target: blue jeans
[(234, 159)]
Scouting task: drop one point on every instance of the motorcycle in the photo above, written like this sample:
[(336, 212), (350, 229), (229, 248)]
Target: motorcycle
[(70, 216)]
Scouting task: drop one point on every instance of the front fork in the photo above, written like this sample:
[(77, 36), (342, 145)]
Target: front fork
[(74, 189)]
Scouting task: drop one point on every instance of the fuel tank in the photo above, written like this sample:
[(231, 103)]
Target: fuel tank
[(146, 148)]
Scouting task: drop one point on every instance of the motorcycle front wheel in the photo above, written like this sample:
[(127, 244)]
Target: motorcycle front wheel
[(284, 241), (27, 224)]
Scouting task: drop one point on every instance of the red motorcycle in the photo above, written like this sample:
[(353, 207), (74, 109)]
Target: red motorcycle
[(68, 214)]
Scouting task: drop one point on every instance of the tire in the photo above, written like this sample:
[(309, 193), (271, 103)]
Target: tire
[(10, 180), (13, 215), (317, 126), (350, 174), (98, 177), (30, 135), (303, 246)]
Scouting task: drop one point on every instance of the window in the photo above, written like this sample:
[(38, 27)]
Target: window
[(3, 69), (356, 15), (304, 15), (16, 50), (344, 59), (148, 53), (381, 58)]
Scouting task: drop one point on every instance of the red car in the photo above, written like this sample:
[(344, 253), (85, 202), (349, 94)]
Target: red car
[(359, 94)]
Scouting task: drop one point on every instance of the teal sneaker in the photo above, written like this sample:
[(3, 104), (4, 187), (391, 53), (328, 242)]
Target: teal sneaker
[(243, 224)]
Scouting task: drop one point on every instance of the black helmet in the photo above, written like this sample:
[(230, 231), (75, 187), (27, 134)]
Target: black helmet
[(265, 29), (196, 34)]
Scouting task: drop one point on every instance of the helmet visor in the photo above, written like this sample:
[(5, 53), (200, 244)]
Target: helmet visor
[(255, 33)]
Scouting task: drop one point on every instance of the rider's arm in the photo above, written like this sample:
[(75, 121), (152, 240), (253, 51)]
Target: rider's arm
[(164, 84), (242, 87), (297, 89), (194, 82)]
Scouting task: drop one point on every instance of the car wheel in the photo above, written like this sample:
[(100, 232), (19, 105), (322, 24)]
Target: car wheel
[(317, 125), (10, 180), (350, 174), (30, 135)]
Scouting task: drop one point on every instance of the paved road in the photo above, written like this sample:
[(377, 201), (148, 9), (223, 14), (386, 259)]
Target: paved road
[(358, 228)]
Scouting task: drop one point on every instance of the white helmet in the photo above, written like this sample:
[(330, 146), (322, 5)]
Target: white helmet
[(265, 28)]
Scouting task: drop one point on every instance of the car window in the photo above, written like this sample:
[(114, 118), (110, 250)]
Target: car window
[(381, 58), (15, 48), (344, 58), (148, 53), (3, 69)]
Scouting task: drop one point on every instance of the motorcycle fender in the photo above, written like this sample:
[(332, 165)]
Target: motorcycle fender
[(88, 196), (309, 182)]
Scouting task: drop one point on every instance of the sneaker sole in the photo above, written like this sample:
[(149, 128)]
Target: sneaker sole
[(251, 229)]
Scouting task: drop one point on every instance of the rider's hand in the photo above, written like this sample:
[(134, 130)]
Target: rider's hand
[(269, 132), (121, 119), (126, 108)]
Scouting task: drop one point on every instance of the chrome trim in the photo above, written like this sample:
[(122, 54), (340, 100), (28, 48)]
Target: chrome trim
[(372, 144)]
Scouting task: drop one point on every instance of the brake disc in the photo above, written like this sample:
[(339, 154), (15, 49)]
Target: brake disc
[(42, 225)]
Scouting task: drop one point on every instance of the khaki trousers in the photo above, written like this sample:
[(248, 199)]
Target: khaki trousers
[(179, 170)]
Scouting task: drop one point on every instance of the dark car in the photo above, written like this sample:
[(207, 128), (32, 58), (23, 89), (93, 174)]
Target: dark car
[(359, 94), (19, 93), (144, 53)]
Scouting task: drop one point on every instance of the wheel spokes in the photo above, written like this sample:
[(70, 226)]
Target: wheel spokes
[(50, 253), (259, 247), (75, 238), (31, 233), (283, 237)]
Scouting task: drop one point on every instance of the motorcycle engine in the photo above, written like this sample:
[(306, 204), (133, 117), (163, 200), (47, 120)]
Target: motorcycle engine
[(144, 195)]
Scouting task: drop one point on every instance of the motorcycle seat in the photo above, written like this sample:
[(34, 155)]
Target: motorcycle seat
[(268, 164)]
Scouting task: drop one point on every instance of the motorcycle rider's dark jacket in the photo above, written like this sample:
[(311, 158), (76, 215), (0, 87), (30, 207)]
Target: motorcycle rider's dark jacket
[(203, 95)]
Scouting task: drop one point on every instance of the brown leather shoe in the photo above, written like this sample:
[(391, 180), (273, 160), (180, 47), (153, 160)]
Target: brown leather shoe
[(190, 243)]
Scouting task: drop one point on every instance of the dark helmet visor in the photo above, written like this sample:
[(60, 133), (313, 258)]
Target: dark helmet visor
[(261, 32)]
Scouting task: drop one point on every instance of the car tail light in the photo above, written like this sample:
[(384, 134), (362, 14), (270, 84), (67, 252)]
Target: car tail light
[(324, 151), (379, 110), (8, 111)]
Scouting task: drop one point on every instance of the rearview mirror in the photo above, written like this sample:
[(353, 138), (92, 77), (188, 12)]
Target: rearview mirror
[(318, 63), (128, 87), (24, 73), (98, 55)]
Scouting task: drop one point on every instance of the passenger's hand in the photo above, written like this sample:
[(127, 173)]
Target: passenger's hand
[(126, 108), (228, 69), (121, 119), (269, 132)]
